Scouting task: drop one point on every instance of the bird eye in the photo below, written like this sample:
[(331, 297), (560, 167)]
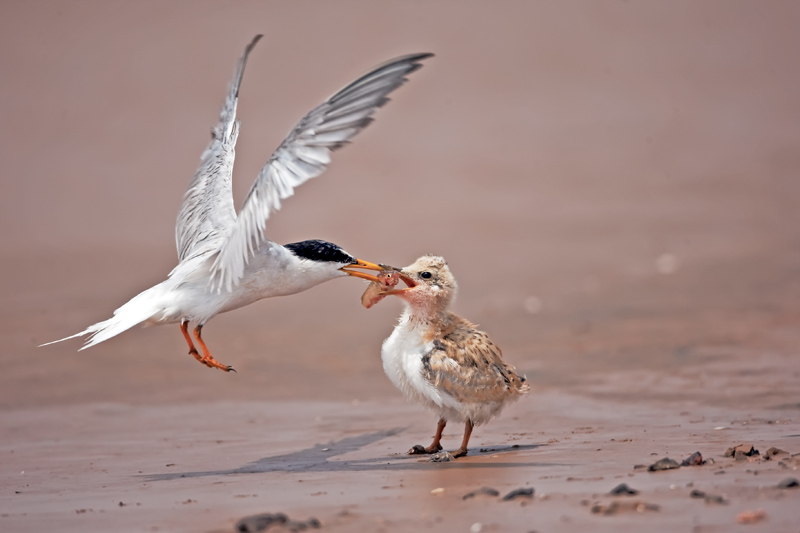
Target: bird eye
[(425, 275)]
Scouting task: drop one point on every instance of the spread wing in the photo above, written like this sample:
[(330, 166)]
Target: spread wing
[(467, 365), (303, 155), (207, 212)]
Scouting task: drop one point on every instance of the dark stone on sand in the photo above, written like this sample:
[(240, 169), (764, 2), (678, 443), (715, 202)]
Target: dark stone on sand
[(772, 452), (519, 493), (417, 449), (709, 498), (483, 491), (715, 498), (741, 452), (789, 483), (620, 507), (663, 464), (260, 522), (623, 490), (693, 460)]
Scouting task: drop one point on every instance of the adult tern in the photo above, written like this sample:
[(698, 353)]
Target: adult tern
[(225, 261)]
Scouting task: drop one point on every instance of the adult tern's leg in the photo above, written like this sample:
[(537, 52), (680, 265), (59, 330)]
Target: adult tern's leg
[(207, 358), (192, 349)]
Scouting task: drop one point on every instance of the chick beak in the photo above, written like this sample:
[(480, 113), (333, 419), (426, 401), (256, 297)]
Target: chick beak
[(367, 266), (410, 284)]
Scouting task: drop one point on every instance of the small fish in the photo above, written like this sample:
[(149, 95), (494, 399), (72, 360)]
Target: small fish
[(377, 290)]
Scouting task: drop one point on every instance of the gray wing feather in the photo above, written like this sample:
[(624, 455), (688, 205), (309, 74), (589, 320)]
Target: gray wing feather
[(303, 155), (207, 212)]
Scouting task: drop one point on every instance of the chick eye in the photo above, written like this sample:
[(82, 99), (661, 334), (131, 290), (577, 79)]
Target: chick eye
[(425, 275)]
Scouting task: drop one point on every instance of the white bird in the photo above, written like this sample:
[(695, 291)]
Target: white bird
[(439, 359), (225, 261)]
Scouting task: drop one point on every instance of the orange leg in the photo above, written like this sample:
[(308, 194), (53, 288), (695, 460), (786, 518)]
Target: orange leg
[(206, 358), (192, 349), (435, 446), (461, 452)]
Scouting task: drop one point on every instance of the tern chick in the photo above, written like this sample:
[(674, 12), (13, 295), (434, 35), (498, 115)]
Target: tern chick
[(438, 358)]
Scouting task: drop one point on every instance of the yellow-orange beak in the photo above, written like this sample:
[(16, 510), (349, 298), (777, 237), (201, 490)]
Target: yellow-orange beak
[(367, 266)]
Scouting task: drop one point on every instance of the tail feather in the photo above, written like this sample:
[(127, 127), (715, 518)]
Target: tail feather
[(93, 329), (139, 309)]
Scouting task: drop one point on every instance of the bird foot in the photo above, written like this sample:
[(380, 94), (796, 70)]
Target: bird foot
[(418, 449), (210, 362), (461, 452), (213, 363)]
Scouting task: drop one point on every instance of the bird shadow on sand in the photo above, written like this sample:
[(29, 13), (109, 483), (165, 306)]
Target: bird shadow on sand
[(320, 458)]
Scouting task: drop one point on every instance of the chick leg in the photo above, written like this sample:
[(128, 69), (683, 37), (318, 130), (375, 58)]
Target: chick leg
[(461, 452), (418, 449)]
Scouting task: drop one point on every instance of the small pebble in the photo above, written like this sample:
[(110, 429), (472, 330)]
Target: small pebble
[(618, 507), (789, 483), (709, 498), (741, 452), (519, 493), (663, 464), (262, 522), (693, 460), (483, 491), (715, 498), (623, 490), (439, 490), (772, 452), (417, 449)]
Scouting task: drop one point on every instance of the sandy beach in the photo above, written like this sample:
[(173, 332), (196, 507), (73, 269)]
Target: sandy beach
[(614, 185)]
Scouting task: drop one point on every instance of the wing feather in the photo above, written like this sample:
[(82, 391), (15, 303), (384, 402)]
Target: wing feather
[(468, 366), (207, 212), (303, 155)]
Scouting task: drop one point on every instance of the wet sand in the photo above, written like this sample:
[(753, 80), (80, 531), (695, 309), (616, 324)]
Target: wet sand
[(614, 185)]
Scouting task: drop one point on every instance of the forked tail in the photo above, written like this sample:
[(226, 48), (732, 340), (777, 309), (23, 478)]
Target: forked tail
[(139, 309)]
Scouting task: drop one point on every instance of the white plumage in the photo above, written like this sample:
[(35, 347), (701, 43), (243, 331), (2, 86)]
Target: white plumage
[(225, 261), (441, 360)]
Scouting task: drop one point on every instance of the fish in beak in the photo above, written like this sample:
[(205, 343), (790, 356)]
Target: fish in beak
[(366, 265), (384, 285)]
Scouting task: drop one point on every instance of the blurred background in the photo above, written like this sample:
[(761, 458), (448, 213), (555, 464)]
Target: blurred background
[(614, 184)]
